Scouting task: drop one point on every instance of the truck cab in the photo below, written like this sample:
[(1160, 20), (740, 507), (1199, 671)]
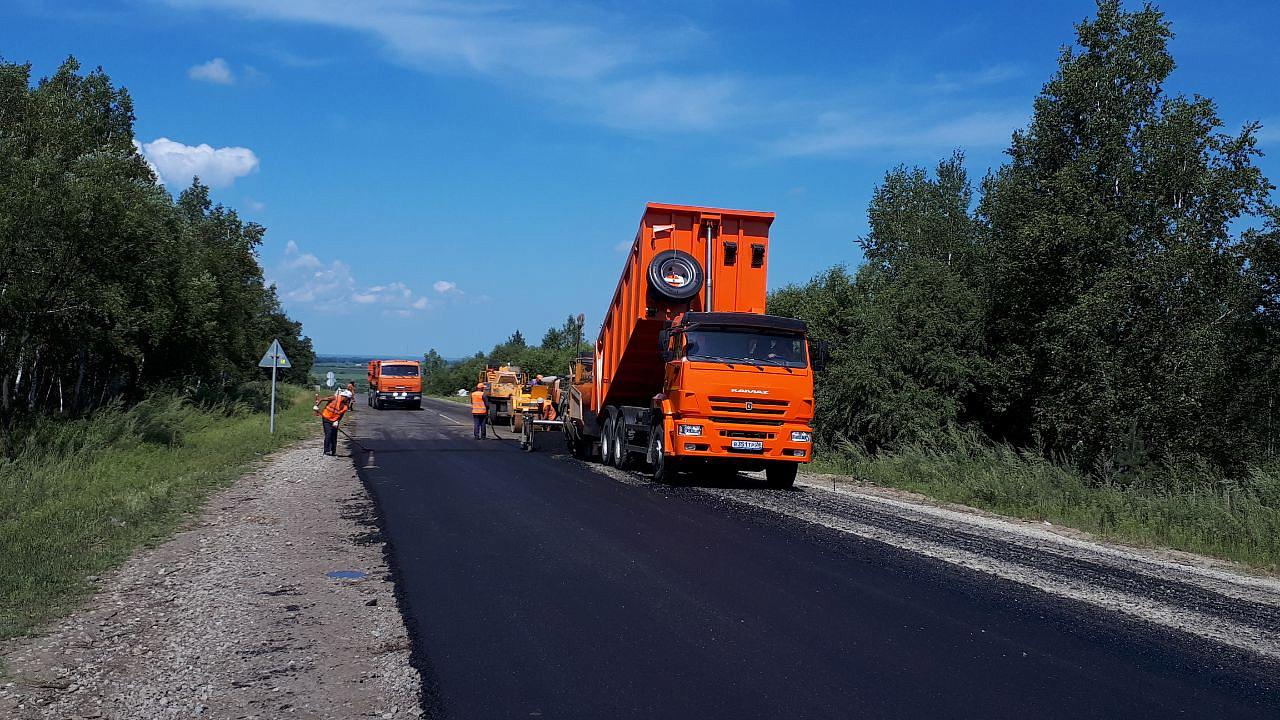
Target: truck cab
[(738, 388), (396, 382)]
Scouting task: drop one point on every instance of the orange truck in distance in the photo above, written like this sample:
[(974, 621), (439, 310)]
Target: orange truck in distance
[(689, 373), (395, 381)]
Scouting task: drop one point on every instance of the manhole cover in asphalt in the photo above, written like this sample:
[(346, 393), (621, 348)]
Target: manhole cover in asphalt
[(347, 574)]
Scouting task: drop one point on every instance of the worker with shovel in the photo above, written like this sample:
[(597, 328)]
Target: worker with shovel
[(334, 408)]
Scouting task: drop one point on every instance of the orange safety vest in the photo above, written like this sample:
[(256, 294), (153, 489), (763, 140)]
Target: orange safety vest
[(477, 403), (335, 409)]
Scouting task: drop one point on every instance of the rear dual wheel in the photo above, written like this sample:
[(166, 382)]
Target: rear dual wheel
[(613, 440)]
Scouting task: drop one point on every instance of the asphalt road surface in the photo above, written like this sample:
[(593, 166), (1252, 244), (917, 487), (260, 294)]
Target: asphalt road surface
[(535, 586)]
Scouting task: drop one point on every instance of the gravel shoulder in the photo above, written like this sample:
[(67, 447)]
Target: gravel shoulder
[(237, 616)]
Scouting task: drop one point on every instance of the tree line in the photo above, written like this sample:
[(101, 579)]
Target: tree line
[(550, 357), (1109, 297), (110, 286)]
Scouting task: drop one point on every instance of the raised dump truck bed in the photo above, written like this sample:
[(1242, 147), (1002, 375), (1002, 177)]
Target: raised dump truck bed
[(694, 273)]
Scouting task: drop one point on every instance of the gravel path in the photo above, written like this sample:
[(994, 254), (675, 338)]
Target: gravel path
[(237, 616)]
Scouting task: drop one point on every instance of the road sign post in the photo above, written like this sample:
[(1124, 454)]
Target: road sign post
[(274, 358)]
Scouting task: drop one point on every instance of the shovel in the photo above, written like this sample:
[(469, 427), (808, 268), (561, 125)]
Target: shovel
[(357, 442)]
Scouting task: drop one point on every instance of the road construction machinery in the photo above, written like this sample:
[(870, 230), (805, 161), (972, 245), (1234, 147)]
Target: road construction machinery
[(688, 372), (502, 385)]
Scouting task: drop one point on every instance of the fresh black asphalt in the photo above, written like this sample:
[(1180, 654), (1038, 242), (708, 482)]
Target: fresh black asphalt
[(534, 587)]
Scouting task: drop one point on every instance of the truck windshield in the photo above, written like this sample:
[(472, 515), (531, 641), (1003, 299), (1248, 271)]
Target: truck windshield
[(750, 346), (400, 370)]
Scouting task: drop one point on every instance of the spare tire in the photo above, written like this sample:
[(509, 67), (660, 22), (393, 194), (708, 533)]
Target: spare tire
[(675, 275)]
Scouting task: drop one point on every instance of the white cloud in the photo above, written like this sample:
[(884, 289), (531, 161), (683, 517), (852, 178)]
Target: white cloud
[(836, 133), (176, 163), (602, 60), (215, 71), (444, 286), (641, 72), (303, 279)]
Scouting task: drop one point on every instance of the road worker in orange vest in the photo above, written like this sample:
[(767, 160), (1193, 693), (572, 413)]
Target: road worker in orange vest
[(331, 412), (479, 412)]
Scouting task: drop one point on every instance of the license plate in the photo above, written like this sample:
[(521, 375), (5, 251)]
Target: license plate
[(747, 444)]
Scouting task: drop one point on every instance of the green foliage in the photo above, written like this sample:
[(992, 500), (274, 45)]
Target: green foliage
[(79, 495), (1192, 507), (110, 286), (1110, 300), (1119, 298), (906, 332)]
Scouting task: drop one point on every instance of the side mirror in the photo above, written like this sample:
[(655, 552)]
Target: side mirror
[(664, 345), (820, 354)]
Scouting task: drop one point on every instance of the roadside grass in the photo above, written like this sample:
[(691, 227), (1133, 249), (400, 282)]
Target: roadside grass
[(1196, 509), (459, 399), (79, 497)]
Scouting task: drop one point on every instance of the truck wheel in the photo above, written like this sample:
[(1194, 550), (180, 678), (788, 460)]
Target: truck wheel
[(621, 458), (517, 424), (781, 475), (377, 403), (665, 468), (606, 439), (675, 275), (417, 404)]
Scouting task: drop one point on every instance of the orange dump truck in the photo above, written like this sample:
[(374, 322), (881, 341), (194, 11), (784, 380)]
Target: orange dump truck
[(689, 373), (395, 381)]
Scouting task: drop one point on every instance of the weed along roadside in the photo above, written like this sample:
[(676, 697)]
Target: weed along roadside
[(1233, 519), (275, 598), (81, 496)]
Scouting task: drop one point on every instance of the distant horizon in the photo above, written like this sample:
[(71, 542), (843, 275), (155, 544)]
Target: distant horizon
[(321, 356)]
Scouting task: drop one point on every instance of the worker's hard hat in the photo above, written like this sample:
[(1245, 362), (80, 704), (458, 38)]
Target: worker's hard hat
[(344, 392)]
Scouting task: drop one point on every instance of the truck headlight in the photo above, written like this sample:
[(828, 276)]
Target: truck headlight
[(801, 436), (690, 430)]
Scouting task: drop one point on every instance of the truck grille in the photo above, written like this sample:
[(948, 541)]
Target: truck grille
[(749, 407), (742, 402), (752, 434), (743, 420)]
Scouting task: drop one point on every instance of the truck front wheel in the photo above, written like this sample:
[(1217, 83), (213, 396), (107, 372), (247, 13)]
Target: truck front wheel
[(665, 467), (781, 475)]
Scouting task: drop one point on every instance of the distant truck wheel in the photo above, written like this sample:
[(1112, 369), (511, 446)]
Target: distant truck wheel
[(417, 404), (675, 275)]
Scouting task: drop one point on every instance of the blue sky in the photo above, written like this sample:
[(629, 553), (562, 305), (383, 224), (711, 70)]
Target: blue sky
[(439, 174)]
